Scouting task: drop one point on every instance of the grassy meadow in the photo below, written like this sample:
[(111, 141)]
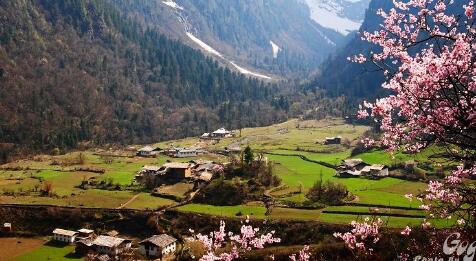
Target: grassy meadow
[(279, 142)]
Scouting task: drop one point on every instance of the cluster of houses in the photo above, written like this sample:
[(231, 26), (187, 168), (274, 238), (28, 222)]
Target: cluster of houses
[(218, 134), (111, 245), (176, 152), (357, 168), (173, 172)]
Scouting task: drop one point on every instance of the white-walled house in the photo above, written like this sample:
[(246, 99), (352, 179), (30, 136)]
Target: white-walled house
[(111, 245), (147, 151), (65, 236), (186, 153), (221, 133), (158, 246)]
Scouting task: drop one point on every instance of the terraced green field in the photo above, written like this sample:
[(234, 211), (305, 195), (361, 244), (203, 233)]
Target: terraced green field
[(291, 138), (388, 191)]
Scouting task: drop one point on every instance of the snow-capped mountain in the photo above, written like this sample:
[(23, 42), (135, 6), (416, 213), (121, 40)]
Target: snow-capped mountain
[(260, 38), (343, 16)]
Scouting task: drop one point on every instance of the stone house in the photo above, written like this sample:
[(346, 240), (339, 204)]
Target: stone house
[(158, 246)]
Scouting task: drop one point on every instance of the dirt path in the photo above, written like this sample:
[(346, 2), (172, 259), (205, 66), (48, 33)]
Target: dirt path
[(129, 201)]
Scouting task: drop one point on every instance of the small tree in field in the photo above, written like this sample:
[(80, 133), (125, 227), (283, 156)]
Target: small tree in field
[(247, 156), (427, 52)]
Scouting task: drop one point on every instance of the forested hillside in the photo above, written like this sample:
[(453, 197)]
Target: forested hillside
[(80, 70), (243, 31)]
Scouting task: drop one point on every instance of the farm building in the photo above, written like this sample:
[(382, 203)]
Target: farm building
[(66, 236), (348, 173), (110, 245), (158, 246), (177, 152), (186, 153), (357, 168), (205, 171), (178, 171), (147, 151), (221, 133), (84, 233), (333, 140), (148, 172), (375, 170)]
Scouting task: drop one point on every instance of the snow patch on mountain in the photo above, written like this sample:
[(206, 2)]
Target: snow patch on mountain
[(172, 4), (205, 46), (247, 72), (333, 14), (275, 49), (210, 49)]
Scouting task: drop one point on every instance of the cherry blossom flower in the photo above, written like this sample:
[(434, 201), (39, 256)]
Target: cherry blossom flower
[(406, 231), (248, 239), (362, 236)]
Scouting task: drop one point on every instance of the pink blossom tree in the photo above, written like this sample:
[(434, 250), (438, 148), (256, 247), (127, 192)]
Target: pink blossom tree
[(227, 246), (427, 53), (362, 236)]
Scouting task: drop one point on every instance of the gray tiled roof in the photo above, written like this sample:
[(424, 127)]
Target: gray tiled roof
[(160, 240)]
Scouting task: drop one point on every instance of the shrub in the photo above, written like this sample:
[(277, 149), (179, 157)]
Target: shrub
[(223, 193), (327, 193), (55, 151)]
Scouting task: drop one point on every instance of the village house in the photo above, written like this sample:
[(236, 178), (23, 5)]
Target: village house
[(84, 233), (333, 140), (173, 172), (375, 171), (205, 136), (221, 133), (110, 245), (357, 167), (178, 152), (147, 151), (148, 173), (204, 171), (177, 171), (65, 236), (158, 246), (167, 173), (186, 153), (84, 246)]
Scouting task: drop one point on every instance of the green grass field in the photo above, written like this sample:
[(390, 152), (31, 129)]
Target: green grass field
[(51, 253), (292, 137), (388, 191), (226, 211)]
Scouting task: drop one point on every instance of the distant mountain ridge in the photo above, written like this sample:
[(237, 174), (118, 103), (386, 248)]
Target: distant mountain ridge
[(277, 38)]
